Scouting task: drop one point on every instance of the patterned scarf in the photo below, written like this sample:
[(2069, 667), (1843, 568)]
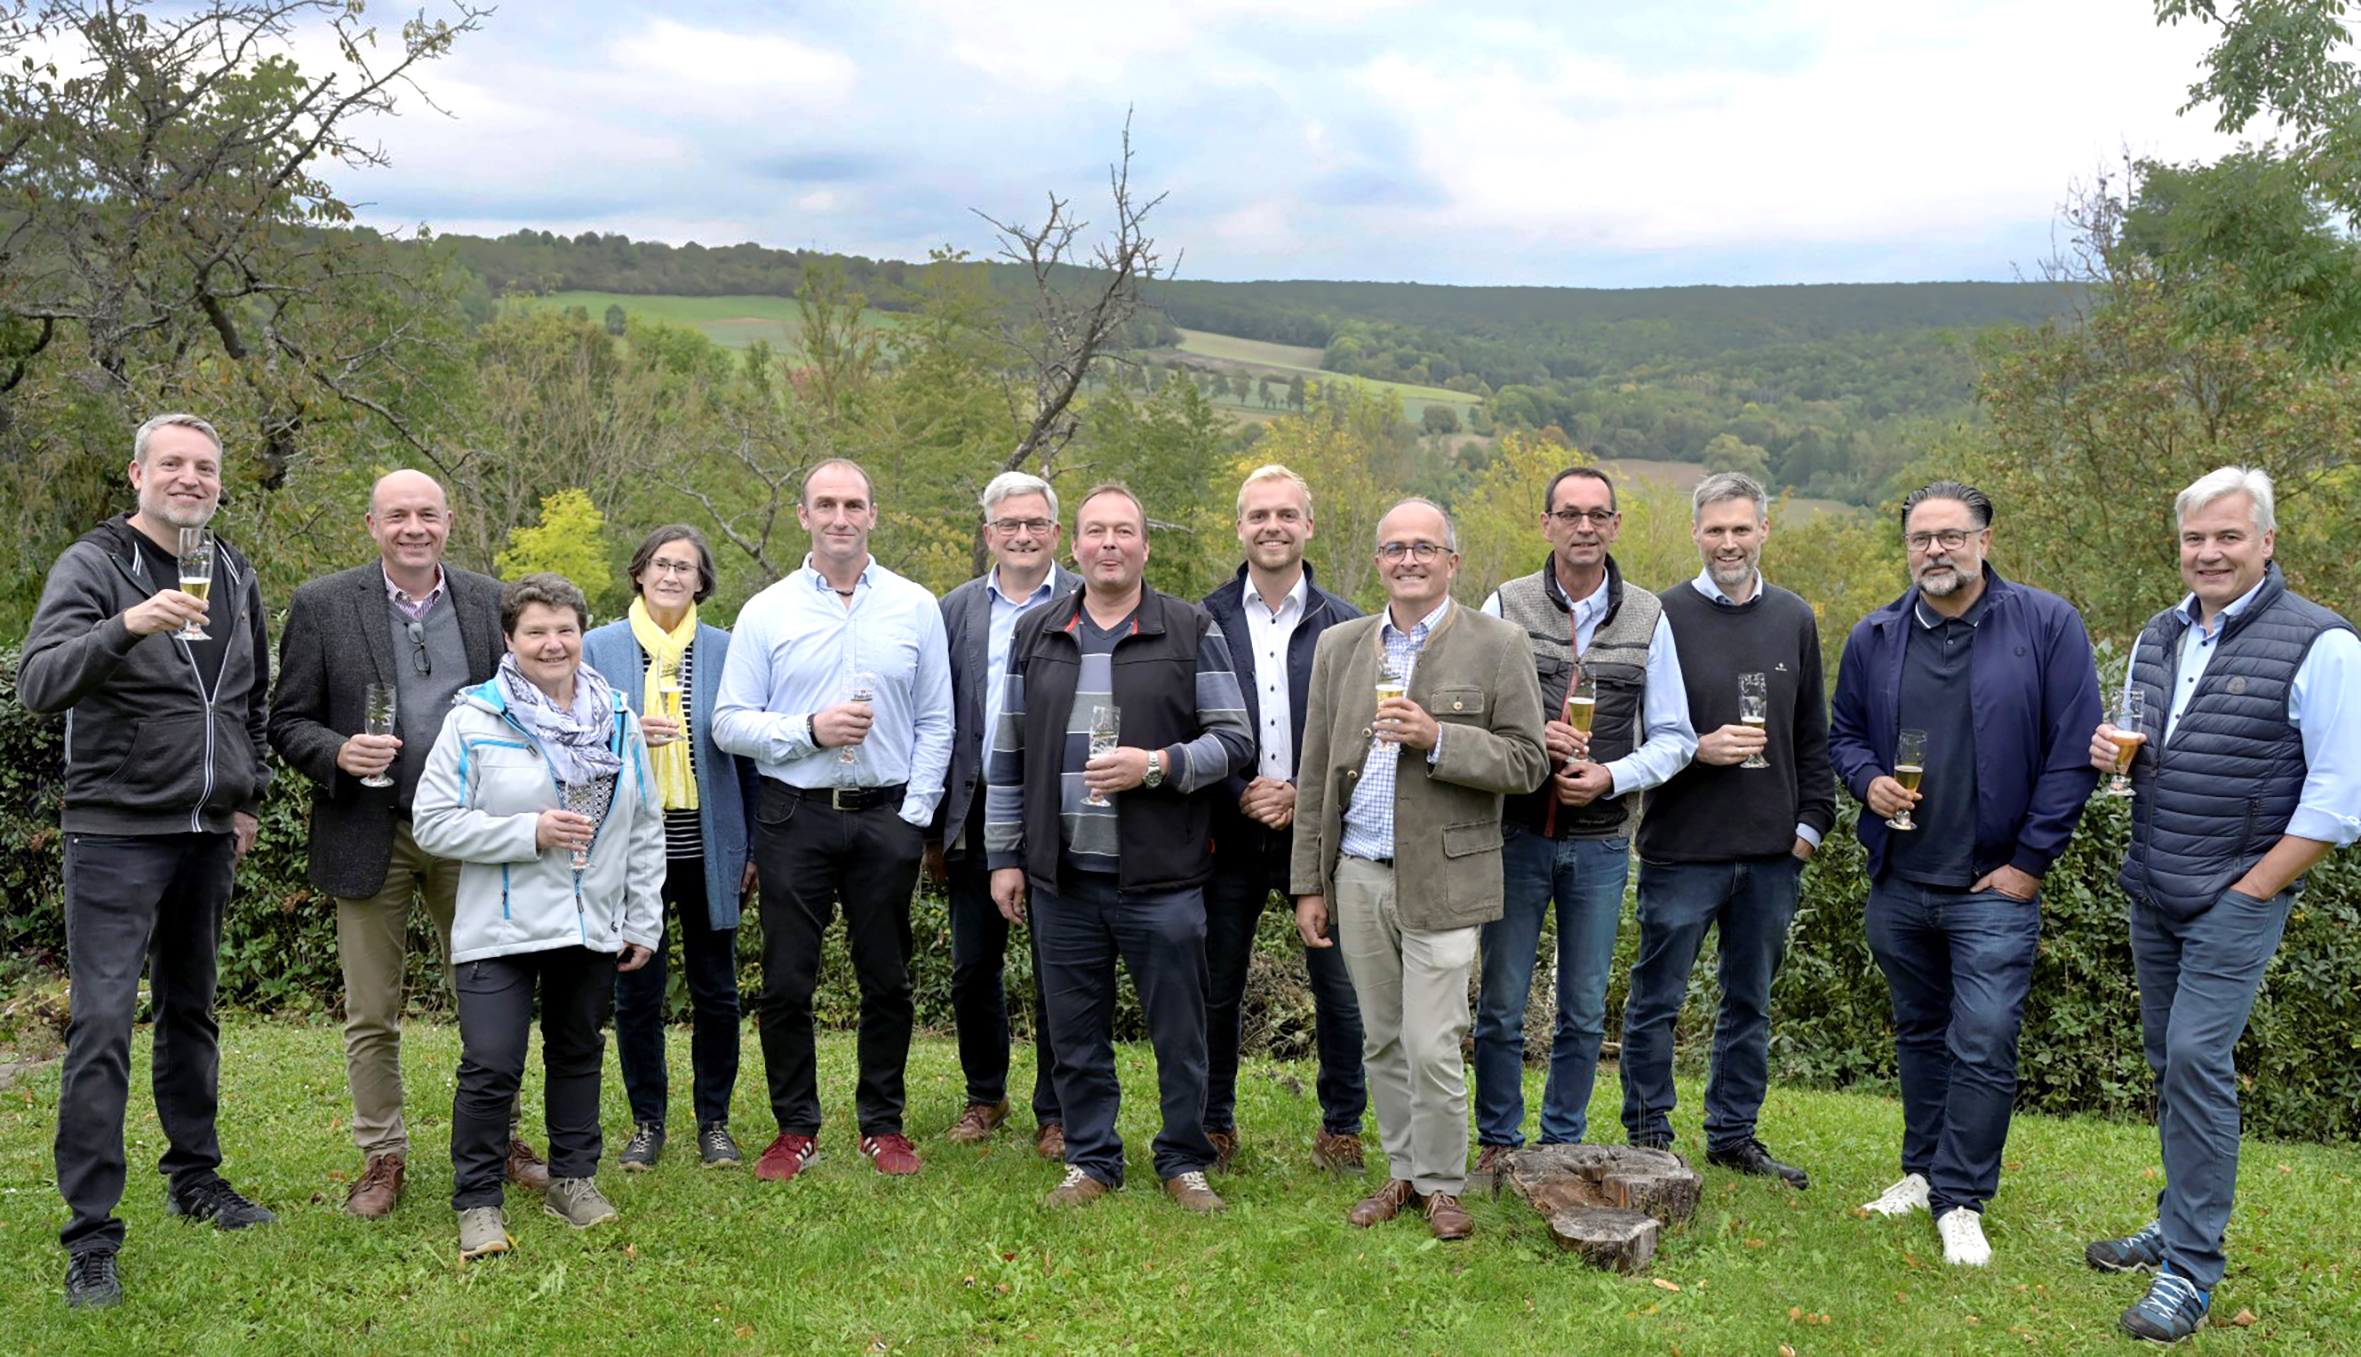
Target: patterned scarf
[(574, 739), (667, 650)]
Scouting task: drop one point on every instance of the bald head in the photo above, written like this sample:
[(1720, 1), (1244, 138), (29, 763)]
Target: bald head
[(410, 520)]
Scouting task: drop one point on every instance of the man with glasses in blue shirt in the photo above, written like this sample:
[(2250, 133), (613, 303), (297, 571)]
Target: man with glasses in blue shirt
[(1570, 838)]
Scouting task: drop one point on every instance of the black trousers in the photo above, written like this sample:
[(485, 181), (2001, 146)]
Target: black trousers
[(709, 960), (152, 900), (1241, 886), (979, 991), (810, 858), (577, 986)]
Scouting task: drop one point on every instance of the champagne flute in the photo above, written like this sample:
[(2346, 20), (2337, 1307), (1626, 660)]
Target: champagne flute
[(668, 695), (196, 575), (1582, 704), (1754, 709), (1106, 726), (862, 687), (378, 711), (2129, 736), (1910, 759), (1391, 682), (586, 799)]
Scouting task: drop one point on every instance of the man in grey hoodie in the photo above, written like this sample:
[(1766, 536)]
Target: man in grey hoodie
[(164, 778)]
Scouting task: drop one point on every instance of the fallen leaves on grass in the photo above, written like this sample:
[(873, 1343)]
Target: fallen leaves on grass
[(1662, 1285)]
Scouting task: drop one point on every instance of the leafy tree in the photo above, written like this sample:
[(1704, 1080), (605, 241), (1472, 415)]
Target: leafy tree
[(617, 322), (1439, 418), (570, 540)]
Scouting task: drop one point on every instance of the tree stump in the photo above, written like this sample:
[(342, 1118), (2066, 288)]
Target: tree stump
[(1605, 1202)]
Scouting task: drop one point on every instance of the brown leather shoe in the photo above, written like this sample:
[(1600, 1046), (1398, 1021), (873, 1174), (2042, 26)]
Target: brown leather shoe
[(1447, 1218), (1079, 1189), (1225, 1148), (1337, 1152), (378, 1188), (1193, 1193), (1049, 1140), (977, 1123), (1493, 1158), (525, 1168), (1382, 1206)]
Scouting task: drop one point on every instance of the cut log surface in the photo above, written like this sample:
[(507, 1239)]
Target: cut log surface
[(1605, 1202)]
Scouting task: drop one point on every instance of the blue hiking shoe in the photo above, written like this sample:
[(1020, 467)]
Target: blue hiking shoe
[(2172, 1310), (2139, 1252)]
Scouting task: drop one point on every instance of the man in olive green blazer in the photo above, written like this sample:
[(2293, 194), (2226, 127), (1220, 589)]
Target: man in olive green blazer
[(1397, 821)]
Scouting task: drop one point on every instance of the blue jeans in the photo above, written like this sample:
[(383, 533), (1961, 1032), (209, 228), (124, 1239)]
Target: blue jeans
[(1234, 902), (1958, 964), (2197, 983), (1586, 878), (1082, 931), (1751, 902)]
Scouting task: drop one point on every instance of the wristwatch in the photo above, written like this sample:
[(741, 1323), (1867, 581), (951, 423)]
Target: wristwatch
[(1154, 777)]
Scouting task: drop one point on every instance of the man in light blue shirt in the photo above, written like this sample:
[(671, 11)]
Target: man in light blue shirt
[(1570, 839), (1021, 530), (838, 686), (2246, 774)]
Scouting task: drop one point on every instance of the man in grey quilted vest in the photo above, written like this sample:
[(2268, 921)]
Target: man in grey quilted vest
[(1570, 838), (2247, 773)]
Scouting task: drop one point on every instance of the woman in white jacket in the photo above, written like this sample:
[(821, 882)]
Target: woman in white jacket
[(539, 786)]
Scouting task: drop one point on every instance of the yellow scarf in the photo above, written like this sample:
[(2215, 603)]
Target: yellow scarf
[(666, 652)]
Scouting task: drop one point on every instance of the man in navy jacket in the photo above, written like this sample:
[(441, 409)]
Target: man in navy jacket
[(1273, 615), (1999, 677)]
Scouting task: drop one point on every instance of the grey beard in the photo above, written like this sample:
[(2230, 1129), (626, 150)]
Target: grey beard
[(1958, 580)]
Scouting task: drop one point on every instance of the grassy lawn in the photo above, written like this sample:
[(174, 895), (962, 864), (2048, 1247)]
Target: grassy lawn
[(963, 1259), (1257, 358)]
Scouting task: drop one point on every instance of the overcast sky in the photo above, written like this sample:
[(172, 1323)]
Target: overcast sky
[(1472, 142)]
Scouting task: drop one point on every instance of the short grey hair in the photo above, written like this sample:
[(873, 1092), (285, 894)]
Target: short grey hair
[(1274, 472), (139, 440), (1009, 484), (2223, 482), (1727, 485), (1450, 529)]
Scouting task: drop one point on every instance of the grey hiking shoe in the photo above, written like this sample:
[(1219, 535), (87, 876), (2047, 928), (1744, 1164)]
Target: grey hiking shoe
[(716, 1147), (483, 1231), (646, 1143), (578, 1202)]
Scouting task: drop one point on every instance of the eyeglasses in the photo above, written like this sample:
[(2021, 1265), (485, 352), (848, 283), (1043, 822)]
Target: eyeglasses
[(1416, 551), (664, 567), (1574, 518), (1010, 527), (1952, 539), (419, 657)]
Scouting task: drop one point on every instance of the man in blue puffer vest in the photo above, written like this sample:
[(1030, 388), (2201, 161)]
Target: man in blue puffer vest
[(2244, 778)]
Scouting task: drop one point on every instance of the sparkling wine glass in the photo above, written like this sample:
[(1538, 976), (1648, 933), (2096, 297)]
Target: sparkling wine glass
[(378, 711), (586, 799), (1910, 759), (1754, 709), (196, 575), (1391, 682), (2129, 736), (1106, 728), (1582, 704)]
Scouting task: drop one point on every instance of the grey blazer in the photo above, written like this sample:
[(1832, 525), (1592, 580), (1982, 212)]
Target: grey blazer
[(336, 644), (967, 618)]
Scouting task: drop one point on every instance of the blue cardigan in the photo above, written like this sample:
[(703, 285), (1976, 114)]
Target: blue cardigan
[(2035, 693), (726, 786)]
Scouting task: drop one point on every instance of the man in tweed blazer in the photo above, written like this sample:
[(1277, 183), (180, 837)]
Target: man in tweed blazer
[(429, 629)]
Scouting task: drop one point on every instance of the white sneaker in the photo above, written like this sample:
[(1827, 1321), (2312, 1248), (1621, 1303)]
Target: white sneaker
[(1963, 1237), (1901, 1199)]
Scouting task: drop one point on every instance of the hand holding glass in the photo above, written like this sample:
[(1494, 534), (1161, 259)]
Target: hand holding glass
[(1391, 683), (1754, 709), (378, 712), (2129, 736), (196, 575), (1910, 758), (582, 798), (1106, 727)]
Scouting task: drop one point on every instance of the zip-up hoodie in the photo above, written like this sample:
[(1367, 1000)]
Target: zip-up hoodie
[(149, 750), (479, 803)]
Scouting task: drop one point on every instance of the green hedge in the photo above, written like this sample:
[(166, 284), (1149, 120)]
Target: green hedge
[(2300, 1063)]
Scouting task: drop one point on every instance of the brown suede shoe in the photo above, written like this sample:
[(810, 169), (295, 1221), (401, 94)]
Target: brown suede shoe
[(1447, 1218), (525, 1168), (1225, 1148), (1337, 1152), (378, 1188), (1193, 1193), (1049, 1140), (1079, 1189), (1387, 1203), (977, 1122)]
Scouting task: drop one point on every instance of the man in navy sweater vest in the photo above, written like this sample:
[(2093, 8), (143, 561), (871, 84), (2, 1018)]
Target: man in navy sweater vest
[(1725, 840)]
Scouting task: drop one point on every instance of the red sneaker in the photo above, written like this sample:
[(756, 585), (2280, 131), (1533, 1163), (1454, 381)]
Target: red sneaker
[(891, 1153), (785, 1157)]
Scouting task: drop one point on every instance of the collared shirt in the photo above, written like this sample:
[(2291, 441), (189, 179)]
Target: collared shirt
[(1667, 740), (415, 609), (1369, 817), (1000, 630), (2323, 704), (1269, 633), (793, 652), (1704, 584)]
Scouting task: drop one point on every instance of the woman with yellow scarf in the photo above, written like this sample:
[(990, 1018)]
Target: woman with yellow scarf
[(667, 664)]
